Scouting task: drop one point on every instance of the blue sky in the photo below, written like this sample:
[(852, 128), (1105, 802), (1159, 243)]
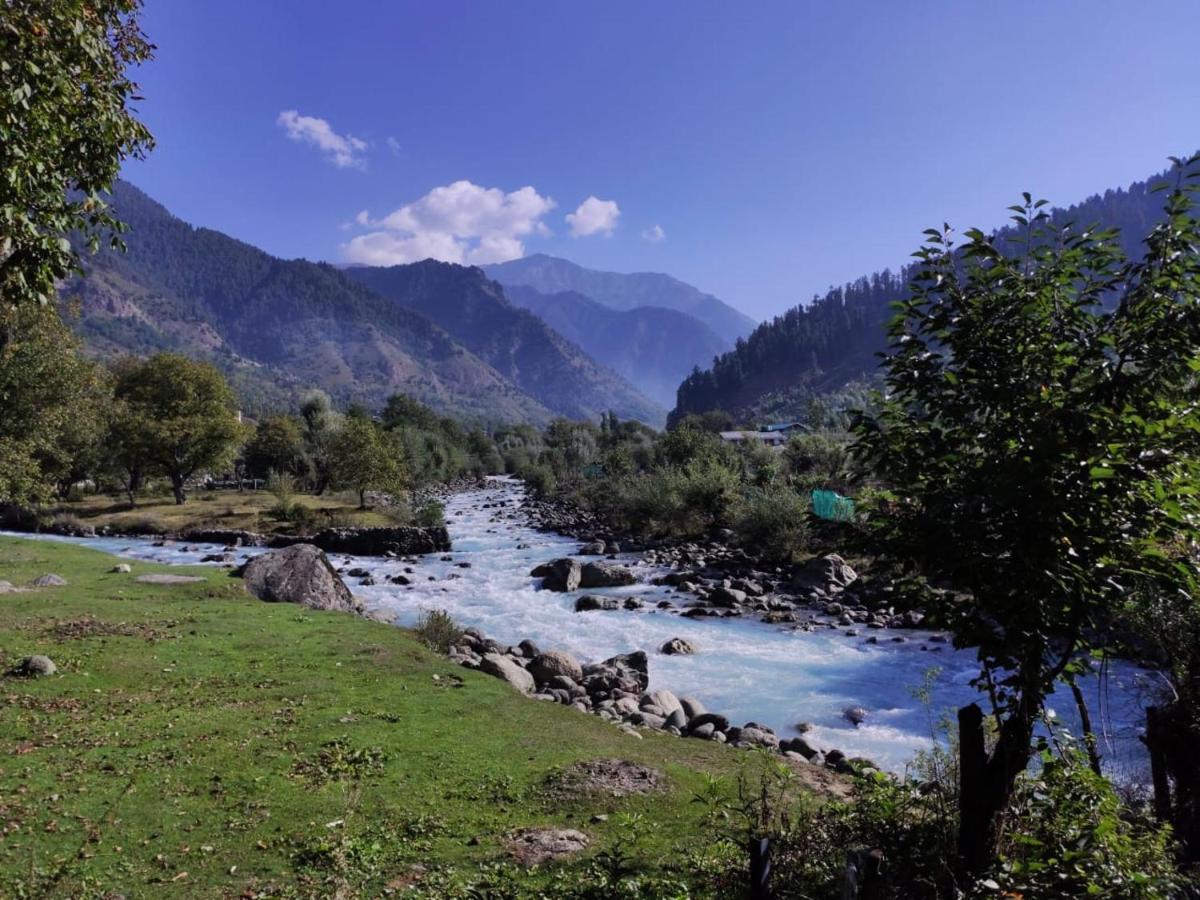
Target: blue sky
[(761, 151)]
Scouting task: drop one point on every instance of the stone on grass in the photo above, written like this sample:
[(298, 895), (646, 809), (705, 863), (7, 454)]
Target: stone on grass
[(555, 662), (534, 846), (298, 574), (49, 580), (121, 569), (7, 587), (34, 667), (506, 670)]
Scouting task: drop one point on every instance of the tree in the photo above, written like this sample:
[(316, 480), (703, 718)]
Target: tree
[(181, 414), (1041, 439), (50, 401), (65, 126), (277, 446), (321, 426), (361, 460)]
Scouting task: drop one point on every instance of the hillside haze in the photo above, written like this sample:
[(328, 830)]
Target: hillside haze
[(653, 347), (551, 275)]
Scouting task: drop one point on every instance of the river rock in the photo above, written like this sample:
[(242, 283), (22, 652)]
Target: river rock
[(692, 707), (757, 736), (589, 602), (505, 669), (677, 646), (298, 574), (546, 666), (561, 575), (719, 722), (829, 573), (604, 574), (34, 667), (663, 700), (726, 597), (855, 715), (595, 548), (401, 540), (226, 537)]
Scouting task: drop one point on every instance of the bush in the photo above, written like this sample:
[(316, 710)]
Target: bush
[(539, 479), (282, 486), (431, 514), (773, 522), (437, 630)]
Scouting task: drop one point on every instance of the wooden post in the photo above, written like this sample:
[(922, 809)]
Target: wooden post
[(760, 869)]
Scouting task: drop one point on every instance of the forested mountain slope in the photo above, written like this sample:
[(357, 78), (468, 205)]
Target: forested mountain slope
[(517, 343), (833, 340), (276, 327)]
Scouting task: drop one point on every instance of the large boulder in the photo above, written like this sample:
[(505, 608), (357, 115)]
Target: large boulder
[(555, 662), (828, 573), (559, 574), (298, 574), (603, 574), (504, 668), (727, 597)]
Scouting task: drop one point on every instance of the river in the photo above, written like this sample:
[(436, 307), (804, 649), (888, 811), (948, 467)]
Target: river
[(744, 669)]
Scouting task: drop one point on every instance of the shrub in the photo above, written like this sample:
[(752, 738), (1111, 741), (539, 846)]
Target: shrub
[(773, 521), (282, 486), (539, 479), (437, 630), (431, 514)]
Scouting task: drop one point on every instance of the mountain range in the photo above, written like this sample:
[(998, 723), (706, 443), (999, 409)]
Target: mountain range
[(445, 334), (833, 342)]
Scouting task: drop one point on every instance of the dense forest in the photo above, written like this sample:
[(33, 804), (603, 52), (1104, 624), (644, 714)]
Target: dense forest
[(817, 348)]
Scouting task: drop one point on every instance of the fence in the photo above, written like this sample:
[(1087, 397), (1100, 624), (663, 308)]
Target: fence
[(832, 506)]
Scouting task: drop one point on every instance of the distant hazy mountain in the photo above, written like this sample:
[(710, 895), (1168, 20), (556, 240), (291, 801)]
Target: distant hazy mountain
[(531, 354), (654, 347), (833, 340), (551, 275), (275, 327)]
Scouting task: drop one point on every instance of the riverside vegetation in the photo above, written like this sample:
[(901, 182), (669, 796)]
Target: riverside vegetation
[(1031, 474)]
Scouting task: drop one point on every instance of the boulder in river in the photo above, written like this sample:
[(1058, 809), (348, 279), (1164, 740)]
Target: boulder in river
[(559, 575), (855, 715), (677, 646), (605, 574), (298, 574), (589, 602)]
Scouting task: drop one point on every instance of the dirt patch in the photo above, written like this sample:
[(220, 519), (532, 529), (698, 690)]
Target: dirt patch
[(614, 777), (534, 846), (820, 780), (89, 626)]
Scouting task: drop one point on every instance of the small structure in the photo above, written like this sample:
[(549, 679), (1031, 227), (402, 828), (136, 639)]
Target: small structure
[(770, 438), (786, 428)]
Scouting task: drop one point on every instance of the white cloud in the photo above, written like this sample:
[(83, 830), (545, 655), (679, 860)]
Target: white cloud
[(344, 150), (654, 234), (459, 223), (594, 216), (393, 145)]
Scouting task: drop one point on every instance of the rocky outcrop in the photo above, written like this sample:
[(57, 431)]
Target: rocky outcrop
[(298, 574)]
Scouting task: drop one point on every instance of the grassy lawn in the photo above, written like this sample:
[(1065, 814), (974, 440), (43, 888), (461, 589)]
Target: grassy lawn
[(198, 743), (250, 510)]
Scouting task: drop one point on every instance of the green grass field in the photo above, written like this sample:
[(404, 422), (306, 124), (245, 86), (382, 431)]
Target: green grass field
[(198, 743)]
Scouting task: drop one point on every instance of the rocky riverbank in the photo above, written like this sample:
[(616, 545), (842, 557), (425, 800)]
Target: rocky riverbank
[(616, 690)]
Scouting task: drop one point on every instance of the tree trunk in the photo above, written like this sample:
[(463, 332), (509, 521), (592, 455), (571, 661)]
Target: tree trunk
[(986, 782), (177, 488), (1171, 738), (1085, 722), (362, 498)]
